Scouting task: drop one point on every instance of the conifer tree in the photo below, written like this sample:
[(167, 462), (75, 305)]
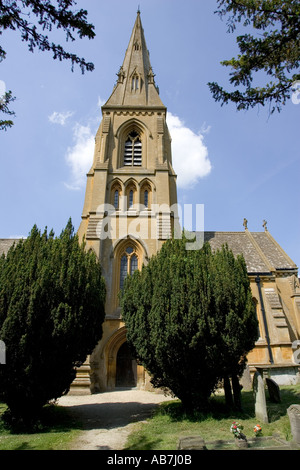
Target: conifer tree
[(271, 48), (34, 20), (190, 319), (52, 298)]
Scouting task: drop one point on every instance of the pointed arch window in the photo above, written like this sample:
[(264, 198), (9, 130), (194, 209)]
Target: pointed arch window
[(146, 198), (115, 195), (146, 195), (135, 82), (129, 264), (116, 199), (133, 264), (133, 150), (130, 203)]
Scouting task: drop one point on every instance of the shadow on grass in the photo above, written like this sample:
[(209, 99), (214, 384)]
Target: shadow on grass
[(218, 409), (144, 443), (288, 397), (171, 420), (53, 418)]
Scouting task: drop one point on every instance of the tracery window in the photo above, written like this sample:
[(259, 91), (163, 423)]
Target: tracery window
[(129, 264), (133, 150)]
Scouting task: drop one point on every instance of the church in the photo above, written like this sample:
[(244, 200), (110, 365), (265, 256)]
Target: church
[(130, 209)]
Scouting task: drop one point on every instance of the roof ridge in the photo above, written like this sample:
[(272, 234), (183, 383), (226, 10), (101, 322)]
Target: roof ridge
[(259, 251)]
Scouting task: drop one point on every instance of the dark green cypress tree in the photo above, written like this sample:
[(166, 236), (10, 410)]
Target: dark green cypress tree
[(52, 297), (190, 319)]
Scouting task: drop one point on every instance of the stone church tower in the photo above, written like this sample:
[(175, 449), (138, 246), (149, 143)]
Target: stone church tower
[(130, 191), (130, 210)]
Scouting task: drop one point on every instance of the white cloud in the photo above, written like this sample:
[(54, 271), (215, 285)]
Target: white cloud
[(80, 156), (189, 153), (100, 102), (60, 118)]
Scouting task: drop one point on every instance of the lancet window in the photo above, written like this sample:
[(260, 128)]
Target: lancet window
[(129, 264)]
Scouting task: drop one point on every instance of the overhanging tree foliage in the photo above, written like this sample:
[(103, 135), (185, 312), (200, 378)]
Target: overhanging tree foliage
[(52, 298), (273, 49), (32, 18), (190, 319)]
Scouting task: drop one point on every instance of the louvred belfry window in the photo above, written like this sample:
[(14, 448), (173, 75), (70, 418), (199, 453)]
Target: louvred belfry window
[(133, 150)]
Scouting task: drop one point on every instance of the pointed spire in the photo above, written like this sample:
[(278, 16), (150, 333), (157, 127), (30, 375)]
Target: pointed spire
[(135, 85)]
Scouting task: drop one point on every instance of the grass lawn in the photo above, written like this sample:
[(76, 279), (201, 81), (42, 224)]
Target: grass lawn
[(57, 430), (163, 430)]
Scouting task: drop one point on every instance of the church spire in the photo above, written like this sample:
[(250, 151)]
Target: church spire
[(136, 85)]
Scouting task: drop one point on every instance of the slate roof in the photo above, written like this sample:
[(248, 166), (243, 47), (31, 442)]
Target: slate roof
[(261, 252), (6, 243)]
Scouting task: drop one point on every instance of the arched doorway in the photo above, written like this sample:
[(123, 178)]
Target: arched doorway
[(119, 360), (126, 368)]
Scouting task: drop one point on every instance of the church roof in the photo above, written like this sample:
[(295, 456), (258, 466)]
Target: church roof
[(261, 252), (135, 86), (6, 244)]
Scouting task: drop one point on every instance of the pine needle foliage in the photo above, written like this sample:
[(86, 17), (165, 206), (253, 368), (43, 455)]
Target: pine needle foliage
[(271, 49), (34, 20), (52, 298), (190, 319)]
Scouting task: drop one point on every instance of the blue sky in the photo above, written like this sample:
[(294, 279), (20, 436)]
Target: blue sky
[(238, 164)]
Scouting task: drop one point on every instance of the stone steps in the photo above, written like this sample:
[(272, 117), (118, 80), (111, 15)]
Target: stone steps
[(81, 385)]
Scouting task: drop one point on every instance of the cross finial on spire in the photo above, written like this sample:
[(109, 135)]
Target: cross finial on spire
[(138, 10)]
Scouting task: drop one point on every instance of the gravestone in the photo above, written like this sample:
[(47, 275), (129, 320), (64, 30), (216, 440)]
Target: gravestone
[(274, 391), (294, 416), (246, 380), (191, 443), (260, 398)]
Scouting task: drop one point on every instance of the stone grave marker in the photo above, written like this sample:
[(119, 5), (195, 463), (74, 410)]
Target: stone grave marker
[(191, 443), (260, 398), (274, 391), (294, 416), (246, 380)]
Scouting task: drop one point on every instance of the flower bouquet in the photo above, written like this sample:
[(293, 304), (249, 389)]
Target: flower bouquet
[(257, 430), (240, 438)]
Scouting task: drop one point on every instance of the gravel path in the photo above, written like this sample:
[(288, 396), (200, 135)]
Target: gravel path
[(108, 418)]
